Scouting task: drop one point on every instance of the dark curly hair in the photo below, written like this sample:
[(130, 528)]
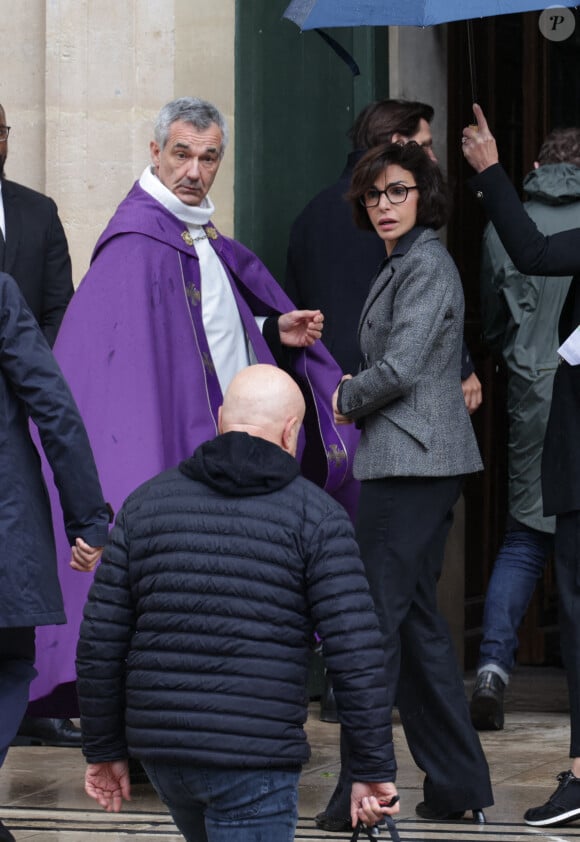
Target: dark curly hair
[(561, 146), (433, 204)]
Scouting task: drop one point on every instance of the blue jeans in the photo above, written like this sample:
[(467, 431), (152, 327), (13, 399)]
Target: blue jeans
[(223, 805), (519, 564)]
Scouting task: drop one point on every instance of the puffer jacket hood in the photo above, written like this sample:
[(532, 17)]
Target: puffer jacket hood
[(239, 465), (553, 184)]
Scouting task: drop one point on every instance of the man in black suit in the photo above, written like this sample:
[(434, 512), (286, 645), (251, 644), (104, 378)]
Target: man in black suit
[(34, 250)]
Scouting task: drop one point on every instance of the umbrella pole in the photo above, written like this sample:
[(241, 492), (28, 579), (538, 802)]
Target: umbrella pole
[(471, 57)]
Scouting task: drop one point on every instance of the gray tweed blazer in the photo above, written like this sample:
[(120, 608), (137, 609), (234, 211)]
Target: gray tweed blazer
[(408, 399)]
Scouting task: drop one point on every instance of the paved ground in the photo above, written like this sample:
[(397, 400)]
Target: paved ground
[(41, 794)]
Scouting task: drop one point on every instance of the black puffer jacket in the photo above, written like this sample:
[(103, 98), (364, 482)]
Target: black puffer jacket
[(194, 647)]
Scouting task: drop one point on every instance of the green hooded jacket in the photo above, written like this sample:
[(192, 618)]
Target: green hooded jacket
[(520, 321)]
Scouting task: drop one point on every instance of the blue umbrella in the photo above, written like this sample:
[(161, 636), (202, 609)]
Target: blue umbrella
[(313, 14)]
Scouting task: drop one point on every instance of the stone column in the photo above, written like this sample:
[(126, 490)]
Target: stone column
[(82, 83)]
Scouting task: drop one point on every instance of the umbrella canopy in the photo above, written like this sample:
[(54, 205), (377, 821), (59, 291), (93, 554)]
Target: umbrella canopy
[(314, 14)]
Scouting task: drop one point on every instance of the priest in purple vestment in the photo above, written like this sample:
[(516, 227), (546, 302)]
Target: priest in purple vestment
[(169, 311)]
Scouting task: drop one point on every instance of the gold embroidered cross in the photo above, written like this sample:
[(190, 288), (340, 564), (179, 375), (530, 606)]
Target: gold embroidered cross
[(207, 362), (193, 294), (335, 456)]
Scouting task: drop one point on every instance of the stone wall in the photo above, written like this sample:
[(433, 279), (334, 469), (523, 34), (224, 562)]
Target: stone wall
[(82, 81)]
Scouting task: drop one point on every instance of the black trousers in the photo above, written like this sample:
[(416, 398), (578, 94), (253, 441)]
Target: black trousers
[(17, 651), (402, 526), (567, 564)]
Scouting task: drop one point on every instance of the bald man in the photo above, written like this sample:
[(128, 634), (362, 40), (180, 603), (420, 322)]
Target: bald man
[(215, 574)]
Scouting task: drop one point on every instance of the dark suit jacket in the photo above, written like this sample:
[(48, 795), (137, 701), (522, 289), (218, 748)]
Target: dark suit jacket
[(330, 266), (36, 254), (559, 255)]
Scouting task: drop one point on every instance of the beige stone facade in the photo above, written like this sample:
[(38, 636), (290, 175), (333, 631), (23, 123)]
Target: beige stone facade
[(82, 81)]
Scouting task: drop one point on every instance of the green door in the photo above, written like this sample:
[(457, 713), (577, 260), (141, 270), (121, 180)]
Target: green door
[(295, 102)]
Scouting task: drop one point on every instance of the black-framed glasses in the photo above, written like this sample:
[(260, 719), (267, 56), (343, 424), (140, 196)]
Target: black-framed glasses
[(396, 194), (4, 132)]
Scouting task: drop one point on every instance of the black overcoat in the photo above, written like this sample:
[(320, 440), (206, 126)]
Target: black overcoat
[(32, 385)]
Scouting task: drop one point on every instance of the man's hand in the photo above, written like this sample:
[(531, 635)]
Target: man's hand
[(338, 417), (300, 328), (472, 392), (108, 783), (84, 557), (364, 802), (478, 143)]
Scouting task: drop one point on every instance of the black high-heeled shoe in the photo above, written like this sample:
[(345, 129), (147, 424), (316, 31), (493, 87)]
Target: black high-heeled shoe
[(426, 812)]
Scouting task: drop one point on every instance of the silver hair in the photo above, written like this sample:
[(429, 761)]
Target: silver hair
[(189, 109)]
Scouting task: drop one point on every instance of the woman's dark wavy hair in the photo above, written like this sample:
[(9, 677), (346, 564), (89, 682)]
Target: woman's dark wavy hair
[(433, 204)]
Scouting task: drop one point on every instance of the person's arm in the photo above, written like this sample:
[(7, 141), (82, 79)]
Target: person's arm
[(37, 381), (492, 278), (467, 367), (300, 328), (291, 331), (57, 283), (109, 615), (344, 616), (531, 251)]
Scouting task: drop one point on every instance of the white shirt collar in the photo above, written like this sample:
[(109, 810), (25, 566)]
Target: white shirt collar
[(199, 215)]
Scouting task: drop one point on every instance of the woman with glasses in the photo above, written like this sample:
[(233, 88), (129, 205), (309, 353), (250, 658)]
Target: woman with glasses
[(416, 446)]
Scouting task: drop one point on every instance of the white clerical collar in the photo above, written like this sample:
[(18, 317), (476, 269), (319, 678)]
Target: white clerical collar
[(199, 215)]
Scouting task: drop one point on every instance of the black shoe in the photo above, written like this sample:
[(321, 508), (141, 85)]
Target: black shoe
[(487, 702), (5, 835), (332, 824), (562, 807), (433, 815), (328, 712), (39, 731)]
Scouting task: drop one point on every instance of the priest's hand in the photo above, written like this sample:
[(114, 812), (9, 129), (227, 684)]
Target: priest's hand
[(300, 328)]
